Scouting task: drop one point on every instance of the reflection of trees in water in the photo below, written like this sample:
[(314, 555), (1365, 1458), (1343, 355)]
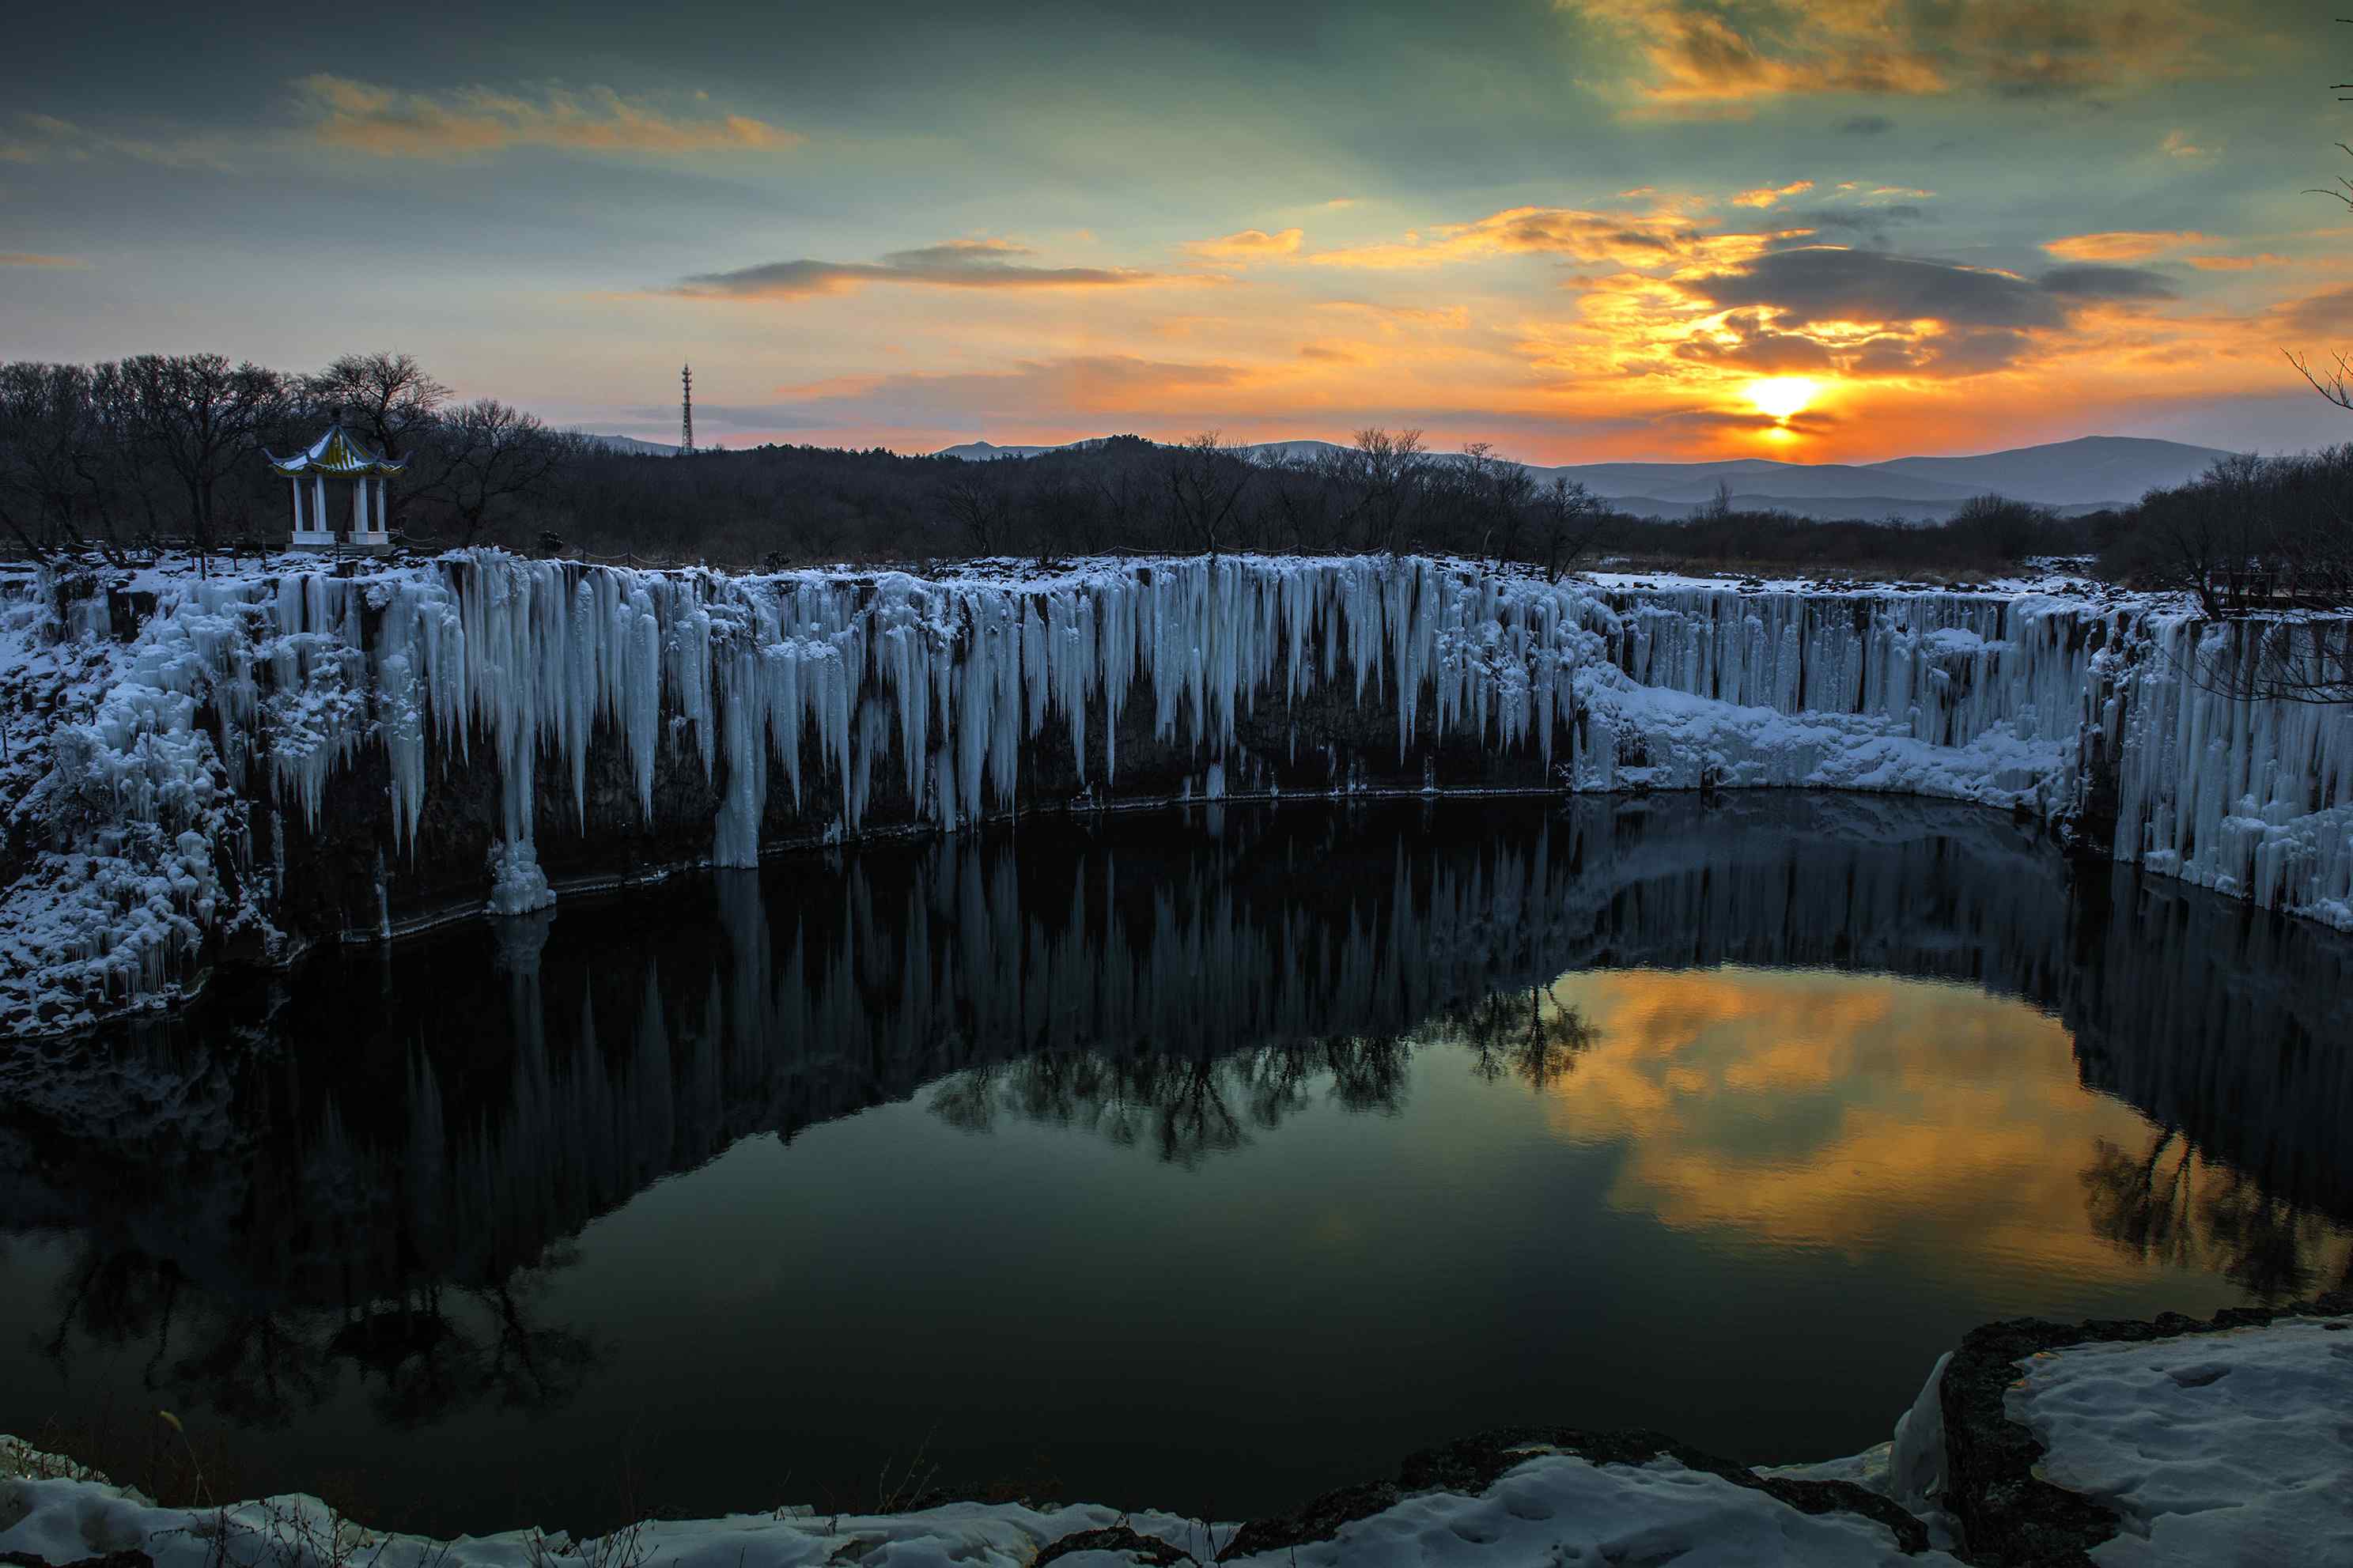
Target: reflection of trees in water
[(2170, 1205), (423, 1354), (1188, 1108), (1184, 1108), (427, 1361), (1524, 1031)]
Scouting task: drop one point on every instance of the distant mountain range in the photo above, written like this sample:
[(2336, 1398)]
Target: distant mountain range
[(630, 443), (2076, 476)]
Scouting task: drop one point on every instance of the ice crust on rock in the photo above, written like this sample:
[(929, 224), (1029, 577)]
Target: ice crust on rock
[(793, 693), (2214, 1449)]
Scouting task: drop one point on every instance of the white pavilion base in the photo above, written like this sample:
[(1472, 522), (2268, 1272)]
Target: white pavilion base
[(332, 543)]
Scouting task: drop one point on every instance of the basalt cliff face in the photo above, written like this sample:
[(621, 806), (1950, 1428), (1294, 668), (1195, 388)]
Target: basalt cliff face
[(238, 768)]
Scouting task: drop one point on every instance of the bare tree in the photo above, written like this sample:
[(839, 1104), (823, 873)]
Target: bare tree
[(980, 511), (1570, 517), (1382, 477), (387, 398), (2336, 382), (486, 457), (46, 429), (1121, 492), (2003, 529), (2203, 534), (1497, 494), (1206, 481), (1298, 502), (201, 416), (1063, 513), (2265, 545)]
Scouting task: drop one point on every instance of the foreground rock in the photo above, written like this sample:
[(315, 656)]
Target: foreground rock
[(2145, 1444)]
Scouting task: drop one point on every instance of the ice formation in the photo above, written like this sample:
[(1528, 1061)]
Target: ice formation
[(172, 763)]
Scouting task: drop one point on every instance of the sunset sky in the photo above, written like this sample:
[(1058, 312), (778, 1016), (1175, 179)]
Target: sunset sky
[(1578, 230)]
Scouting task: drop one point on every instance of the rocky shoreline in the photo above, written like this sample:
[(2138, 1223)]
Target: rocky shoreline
[(1968, 1486)]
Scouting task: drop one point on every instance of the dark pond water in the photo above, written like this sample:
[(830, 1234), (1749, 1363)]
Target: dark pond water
[(1201, 1161)]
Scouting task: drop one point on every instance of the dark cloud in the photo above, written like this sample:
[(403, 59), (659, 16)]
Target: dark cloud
[(958, 264), (1864, 125), (1755, 346), (1808, 422), (2092, 281), (1978, 352), (1113, 386), (1866, 226), (1819, 283), (2328, 315)]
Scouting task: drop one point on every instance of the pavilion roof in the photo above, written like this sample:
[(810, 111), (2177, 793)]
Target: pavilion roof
[(339, 454)]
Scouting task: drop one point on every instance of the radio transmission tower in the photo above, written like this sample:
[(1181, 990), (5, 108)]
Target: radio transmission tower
[(685, 409)]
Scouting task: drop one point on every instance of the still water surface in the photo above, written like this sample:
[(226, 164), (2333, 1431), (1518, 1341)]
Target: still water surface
[(1202, 1161)]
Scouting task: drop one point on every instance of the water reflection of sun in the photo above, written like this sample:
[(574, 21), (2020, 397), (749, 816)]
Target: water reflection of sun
[(1858, 1114)]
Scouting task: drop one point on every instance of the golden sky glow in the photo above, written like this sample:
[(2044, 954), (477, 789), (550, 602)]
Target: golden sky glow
[(1612, 228)]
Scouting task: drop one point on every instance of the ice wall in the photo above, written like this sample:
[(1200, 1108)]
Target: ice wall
[(799, 701), (2251, 798)]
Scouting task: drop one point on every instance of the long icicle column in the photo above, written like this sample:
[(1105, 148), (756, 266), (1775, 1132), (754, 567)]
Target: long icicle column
[(274, 759)]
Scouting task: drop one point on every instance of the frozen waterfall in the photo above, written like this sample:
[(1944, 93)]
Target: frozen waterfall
[(732, 713)]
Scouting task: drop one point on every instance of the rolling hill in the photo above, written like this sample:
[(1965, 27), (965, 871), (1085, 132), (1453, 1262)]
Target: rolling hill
[(2074, 476)]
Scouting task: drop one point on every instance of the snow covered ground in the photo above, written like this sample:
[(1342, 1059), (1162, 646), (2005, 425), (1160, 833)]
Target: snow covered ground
[(2218, 1450), (2214, 1449), (145, 814), (1551, 1509)]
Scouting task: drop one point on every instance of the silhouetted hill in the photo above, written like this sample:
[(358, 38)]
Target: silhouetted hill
[(2081, 475)]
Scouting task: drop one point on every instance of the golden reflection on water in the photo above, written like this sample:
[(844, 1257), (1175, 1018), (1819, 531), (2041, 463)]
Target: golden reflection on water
[(1869, 1115)]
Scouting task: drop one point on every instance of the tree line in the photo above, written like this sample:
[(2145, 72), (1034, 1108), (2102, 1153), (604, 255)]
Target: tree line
[(170, 448)]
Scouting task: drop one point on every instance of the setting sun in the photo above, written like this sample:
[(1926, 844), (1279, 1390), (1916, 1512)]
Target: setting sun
[(1782, 396)]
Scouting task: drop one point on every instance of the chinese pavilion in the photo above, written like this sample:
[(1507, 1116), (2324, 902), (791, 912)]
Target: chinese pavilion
[(338, 456)]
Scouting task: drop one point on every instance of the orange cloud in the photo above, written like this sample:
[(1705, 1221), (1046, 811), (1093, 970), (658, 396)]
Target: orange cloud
[(2178, 144), (1657, 238), (2235, 263), (474, 120), (2125, 244), (1249, 244), (1708, 59), (1766, 195), (28, 259)]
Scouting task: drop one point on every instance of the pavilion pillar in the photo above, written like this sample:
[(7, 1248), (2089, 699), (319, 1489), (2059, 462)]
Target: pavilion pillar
[(318, 500), (381, 527), (297, 485), (360, 505)]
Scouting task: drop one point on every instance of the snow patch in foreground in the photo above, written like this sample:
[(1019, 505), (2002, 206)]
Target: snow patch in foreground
[(2214, 1449), (1553, 1509)]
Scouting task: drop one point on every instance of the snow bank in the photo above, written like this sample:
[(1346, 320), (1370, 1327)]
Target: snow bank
[(799, 701), (2214, 1449), (1552, 1508)]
